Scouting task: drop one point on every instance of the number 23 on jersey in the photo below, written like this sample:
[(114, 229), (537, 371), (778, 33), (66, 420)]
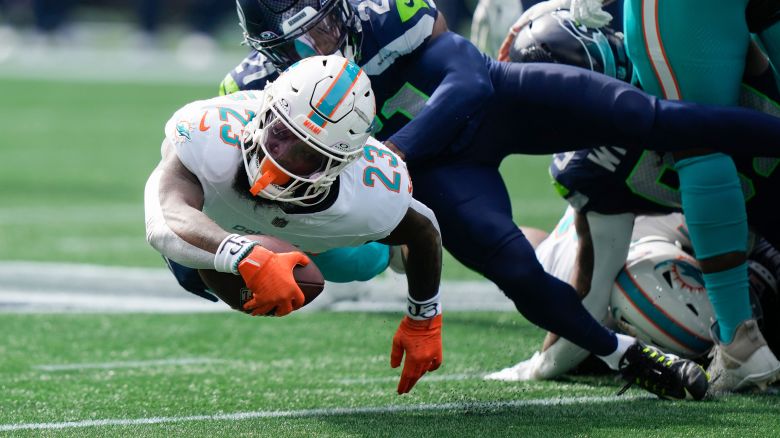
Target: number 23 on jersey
[(371, 174)]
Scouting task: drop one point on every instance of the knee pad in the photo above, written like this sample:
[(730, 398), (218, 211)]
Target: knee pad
[(714, 205), (362, 263)]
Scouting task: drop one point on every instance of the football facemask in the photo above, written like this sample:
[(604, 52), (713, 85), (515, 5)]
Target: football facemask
[(313, 122), (283, 165)]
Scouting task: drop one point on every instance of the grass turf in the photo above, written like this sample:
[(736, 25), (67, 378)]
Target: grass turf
[(319, 361)]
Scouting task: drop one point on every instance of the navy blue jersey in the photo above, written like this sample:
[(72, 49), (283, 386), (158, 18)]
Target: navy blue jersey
[(612, 180)]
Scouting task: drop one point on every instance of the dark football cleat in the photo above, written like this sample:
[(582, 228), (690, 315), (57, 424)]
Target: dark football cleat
[(665, 375)]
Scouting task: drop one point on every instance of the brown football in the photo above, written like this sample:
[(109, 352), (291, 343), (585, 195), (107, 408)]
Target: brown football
[(232, 290)]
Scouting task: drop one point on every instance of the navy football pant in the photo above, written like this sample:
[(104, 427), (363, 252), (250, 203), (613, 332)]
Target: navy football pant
[(473, 209), (545, 108)]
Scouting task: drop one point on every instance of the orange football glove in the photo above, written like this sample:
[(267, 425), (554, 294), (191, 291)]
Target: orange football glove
[(269, 276), (421, 340)]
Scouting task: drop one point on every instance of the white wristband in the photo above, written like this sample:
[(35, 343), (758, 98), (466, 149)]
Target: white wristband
[(421, 310), (231, 251)]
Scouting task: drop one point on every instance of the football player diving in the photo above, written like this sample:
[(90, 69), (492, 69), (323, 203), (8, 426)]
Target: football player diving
[(609, 185), (294, 161), (454, 114)]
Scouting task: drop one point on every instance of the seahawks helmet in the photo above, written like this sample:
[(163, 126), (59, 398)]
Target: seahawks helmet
[(556, 38), (313, 122), (287, 31)]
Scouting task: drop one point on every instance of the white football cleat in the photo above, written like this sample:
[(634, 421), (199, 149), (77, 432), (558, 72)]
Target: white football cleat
[(745, 363)]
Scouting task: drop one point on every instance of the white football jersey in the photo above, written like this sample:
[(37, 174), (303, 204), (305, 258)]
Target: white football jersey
[(374, 192), (558, 252)]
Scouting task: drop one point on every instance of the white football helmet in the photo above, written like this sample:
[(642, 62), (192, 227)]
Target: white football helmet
[(659, 297), (314, 121)]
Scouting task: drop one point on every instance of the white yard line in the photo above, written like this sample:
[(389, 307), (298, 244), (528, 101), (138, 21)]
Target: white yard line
[(323, 412), (428, 378), (127, 364), (28, 287)]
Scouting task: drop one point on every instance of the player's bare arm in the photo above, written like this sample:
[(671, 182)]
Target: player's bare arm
[(419, 334), (423, 263), (181, 200)]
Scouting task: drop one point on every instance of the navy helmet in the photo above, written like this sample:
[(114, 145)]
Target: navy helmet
[(287, 31), (555, 37)]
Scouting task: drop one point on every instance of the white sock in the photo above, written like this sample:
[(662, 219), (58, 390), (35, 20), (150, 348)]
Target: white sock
[(613, 359)]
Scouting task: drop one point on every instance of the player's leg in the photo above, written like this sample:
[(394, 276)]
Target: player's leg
[(601, 243), (696, 50), (473, 209), (556, 108), (475, 217), (763, 17)]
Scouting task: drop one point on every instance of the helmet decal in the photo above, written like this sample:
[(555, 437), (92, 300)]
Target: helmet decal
[(659, 297), (335, 94), (682, 274)]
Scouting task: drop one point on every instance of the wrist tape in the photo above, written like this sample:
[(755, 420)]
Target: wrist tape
[(421, 310), (231, 251)]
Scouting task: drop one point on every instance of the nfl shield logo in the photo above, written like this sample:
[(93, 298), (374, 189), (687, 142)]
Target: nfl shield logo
[(279, 222)]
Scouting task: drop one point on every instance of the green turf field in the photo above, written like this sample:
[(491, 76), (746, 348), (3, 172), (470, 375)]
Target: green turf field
[(75, 158), (315, 374)]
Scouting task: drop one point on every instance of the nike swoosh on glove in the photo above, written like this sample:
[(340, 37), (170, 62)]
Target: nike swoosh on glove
[(269, 277)]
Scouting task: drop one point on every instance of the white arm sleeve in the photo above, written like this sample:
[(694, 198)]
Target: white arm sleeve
[(162, 238)]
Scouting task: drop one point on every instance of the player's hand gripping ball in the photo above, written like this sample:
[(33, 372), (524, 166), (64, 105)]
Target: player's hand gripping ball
[(276, 278)]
